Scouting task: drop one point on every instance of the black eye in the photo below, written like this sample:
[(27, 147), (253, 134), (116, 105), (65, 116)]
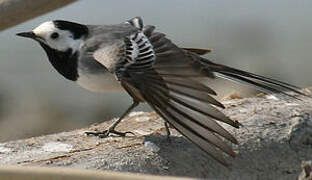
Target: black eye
[(54, 35)]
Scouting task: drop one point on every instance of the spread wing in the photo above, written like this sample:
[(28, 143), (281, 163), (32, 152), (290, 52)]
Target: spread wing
[(153, 69), (157, 71)]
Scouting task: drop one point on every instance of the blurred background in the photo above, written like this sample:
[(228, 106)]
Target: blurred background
[(271, 38)]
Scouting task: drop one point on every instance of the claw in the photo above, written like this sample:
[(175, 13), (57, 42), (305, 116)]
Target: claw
[(92, 133), (104, 134), (111, 128)]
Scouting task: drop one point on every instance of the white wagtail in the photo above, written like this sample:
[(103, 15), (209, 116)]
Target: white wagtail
[(152, 70)]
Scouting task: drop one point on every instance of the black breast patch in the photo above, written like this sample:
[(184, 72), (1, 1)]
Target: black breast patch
[(64, 62)]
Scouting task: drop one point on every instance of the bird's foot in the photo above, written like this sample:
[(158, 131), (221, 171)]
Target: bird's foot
[(168, 139), (106, 133), (168, 133)]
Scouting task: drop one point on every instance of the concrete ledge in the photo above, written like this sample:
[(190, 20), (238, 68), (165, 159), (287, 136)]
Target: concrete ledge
[(276, 137), (40, 173)]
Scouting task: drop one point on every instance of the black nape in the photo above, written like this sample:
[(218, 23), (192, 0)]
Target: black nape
[(78, 30)]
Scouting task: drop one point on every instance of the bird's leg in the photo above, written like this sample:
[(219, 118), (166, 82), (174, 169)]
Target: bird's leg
[(111, 128), (167, 131)]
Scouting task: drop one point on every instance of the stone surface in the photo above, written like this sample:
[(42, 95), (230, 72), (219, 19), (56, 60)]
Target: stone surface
[(306, 173), (275, 138)]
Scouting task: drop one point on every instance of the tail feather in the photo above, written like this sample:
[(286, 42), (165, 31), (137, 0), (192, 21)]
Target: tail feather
[(262, 86), (265, 84)]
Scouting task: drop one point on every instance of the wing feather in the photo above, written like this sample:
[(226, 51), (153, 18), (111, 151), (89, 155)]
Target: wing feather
[(176, 120), (155, 70)]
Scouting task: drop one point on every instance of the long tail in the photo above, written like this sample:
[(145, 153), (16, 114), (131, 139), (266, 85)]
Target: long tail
[(265, 84)]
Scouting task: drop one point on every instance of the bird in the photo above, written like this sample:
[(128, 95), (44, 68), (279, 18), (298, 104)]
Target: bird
[(153, 70)]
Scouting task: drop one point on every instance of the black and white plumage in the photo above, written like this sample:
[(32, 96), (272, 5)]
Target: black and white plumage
[(153, 70), (139, 51)]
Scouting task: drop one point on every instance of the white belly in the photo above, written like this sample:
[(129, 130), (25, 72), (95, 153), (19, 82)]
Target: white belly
[(99, 82)]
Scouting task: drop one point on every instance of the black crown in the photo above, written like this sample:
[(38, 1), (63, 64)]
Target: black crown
[(78, 30)]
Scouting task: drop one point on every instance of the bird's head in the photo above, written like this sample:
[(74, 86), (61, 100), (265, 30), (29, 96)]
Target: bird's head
[(58, 35), (61, 41)]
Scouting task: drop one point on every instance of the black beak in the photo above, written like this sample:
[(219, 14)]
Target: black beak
[(27, 35)]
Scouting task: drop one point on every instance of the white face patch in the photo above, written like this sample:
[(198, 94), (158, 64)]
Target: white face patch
[(63, 42)]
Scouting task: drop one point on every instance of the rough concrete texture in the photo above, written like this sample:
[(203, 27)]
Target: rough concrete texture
[(306, 173), (275, 138)]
